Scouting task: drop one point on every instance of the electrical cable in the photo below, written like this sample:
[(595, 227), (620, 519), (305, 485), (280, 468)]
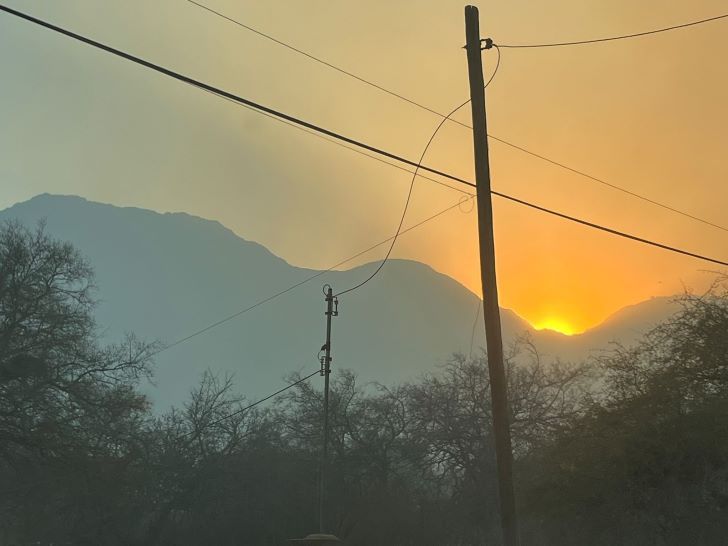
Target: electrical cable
[(550, 211), (412, 185), (217, 91), (338, 136), (251, 406), (464, 125), (609, 184), (28, 487), (316, 59), (614, 38), (612, 231), (216, 421), (304, 281), (341, 145)]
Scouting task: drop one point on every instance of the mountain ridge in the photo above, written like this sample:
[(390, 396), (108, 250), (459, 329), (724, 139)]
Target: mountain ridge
[(166, 275)]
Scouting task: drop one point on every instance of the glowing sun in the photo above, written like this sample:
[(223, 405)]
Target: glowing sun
[(557, 325)]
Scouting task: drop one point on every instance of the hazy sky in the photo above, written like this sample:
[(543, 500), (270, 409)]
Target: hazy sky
[(648, 114)]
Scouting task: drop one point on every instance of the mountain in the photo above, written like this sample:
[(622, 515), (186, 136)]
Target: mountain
[(625, 327), (165, 276)]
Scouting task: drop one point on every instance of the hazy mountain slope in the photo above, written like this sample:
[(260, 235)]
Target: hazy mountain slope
[(626, 326), (630, 323), (167, 275)]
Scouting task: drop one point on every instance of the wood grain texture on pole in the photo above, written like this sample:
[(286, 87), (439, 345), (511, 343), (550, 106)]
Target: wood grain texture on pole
[(491, 312)]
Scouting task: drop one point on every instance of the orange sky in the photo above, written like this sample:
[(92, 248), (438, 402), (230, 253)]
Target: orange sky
[(648, 114)]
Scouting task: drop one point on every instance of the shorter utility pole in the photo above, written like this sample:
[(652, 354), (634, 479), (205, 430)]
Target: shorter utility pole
[(332, 310)]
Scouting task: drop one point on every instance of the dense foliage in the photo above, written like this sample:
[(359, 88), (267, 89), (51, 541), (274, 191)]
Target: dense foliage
[(629, 449)]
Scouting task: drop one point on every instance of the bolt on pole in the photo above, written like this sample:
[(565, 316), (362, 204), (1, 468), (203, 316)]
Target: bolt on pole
[(491, 312)]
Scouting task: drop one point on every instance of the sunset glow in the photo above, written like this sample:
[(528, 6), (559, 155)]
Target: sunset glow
[(521, 305), (557, 325)]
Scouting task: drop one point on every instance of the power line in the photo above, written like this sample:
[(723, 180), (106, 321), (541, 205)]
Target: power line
[(412, 185), (217, 91), (338, 136), (609, 184), (410, 228), (302, 282), (465, 125), (251, 406), (525, 203), (342, 145), (613, 38), (35, 483), (315, 58), (612, 231)]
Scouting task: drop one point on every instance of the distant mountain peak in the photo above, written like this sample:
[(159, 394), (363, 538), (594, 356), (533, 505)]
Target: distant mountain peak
[(54, 206), (167, 275)]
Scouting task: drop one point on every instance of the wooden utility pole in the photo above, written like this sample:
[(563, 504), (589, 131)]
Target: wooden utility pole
[(326, 371), (491, 312)]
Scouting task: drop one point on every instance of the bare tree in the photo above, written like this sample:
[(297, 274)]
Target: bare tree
[(69, 411)]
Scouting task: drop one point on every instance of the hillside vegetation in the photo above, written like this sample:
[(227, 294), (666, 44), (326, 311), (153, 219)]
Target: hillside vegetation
[(628, 449)]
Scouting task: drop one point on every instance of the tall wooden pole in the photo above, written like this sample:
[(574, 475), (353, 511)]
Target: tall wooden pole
[(491, 314)]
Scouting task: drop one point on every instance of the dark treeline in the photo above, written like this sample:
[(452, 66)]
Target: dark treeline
[(629, 449)]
